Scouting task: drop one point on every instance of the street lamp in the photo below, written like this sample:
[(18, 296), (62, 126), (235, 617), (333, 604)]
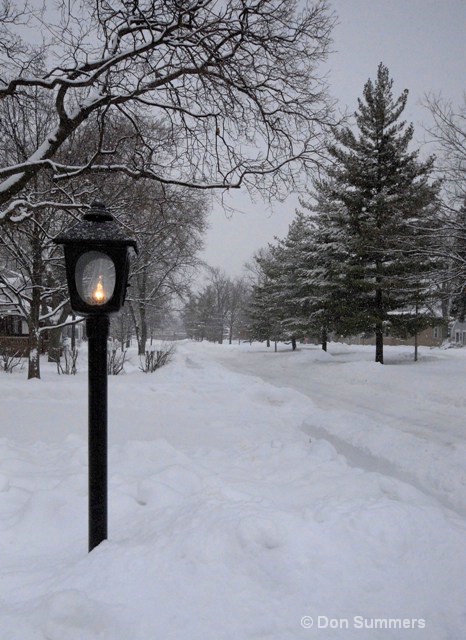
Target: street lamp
[(97, 255)]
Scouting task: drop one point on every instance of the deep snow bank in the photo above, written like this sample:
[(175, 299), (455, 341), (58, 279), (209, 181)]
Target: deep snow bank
[(226, 520)]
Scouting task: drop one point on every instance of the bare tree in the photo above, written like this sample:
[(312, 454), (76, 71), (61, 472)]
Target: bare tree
[(449, 134), (38, 292), (233, 85), (218, 309), (168, 224), (220, 284)]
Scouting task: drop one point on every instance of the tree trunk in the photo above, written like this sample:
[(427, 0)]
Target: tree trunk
[(379, 343), (293, 343), (73, 332), (268, 342), (135, 323), (142, 314), (34, 313), (324, 339), (415, 347), (54, 342), (34, 354), (34, 336), (276, 346), (143, 330), (379, 326)]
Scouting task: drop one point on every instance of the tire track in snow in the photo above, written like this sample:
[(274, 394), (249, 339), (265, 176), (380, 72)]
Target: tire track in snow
[(356, 456), (364, 459)]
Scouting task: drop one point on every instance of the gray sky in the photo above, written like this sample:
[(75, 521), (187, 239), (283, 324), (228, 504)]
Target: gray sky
[(423, 44)]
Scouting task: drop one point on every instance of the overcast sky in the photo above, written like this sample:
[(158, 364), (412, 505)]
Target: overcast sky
[(423, 44)]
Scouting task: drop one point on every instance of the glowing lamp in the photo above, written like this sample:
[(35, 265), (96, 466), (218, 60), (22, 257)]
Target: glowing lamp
[(97, 253), (97, 256)]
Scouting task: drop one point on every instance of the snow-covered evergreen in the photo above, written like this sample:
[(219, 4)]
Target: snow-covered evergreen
[(374, 206), (265, 312)]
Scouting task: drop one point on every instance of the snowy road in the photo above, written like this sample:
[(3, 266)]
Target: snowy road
[(404, 419), (238, 509)]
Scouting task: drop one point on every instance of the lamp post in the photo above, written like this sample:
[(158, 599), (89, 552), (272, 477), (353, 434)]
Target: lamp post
[(97, 266)]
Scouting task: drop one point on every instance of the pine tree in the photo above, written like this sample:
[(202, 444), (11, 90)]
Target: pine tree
[(372, 205), (293, 288), (264, 312), (323, 260)]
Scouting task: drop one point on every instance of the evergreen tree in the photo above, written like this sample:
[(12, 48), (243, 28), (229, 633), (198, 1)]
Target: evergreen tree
[(305, 298), (372, 206), (322, 259), (264, 312), (292, 288)]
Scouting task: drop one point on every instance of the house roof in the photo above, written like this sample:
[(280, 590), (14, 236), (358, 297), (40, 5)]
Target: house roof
[(11, 281)]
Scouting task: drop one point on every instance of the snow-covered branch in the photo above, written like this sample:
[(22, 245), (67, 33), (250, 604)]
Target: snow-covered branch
[(234, 85)]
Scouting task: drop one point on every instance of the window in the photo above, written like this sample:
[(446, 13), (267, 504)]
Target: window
[(16, 326), (13, 326)]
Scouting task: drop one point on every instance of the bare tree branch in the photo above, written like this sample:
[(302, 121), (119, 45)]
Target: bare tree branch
[(233, 84), (448, 133)]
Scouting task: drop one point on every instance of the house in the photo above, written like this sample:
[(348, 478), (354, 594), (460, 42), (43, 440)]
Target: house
[(431, 337), (74, 332), (458, 333), (14, 331), (14, 334)]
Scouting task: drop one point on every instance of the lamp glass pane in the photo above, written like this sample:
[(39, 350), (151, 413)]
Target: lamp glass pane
[(95, 277)]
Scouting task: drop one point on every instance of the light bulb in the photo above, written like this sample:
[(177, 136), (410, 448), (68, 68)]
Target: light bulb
[(98, 295)]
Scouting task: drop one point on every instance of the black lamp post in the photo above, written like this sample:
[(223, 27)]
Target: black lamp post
[(97, 266)]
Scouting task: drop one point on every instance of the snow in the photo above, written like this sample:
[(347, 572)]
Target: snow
[(408, 417), (247, 490)]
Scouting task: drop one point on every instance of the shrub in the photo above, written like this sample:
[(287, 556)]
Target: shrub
[(70, 357), (156, 358), (9, 361), (116, 358)]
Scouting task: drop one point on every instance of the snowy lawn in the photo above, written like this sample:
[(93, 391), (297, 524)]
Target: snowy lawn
[(237, 507)]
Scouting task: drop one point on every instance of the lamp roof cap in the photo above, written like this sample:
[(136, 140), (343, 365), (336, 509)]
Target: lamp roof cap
[(97, 227)]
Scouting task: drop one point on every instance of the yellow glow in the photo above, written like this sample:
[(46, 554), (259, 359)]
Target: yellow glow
[(98, 295)]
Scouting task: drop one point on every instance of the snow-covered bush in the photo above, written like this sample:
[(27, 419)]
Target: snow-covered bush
[(116, 358), (156, 358), (70, 357), (8, 362)]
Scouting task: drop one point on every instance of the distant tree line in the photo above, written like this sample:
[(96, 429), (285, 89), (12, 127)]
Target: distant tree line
[(155, 104), (218, 312), (377, 245), (168, 222), (147, 105)]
